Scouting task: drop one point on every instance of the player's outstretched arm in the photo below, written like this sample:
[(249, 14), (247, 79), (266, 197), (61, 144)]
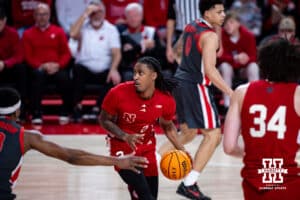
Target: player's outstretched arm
[(35, 140)]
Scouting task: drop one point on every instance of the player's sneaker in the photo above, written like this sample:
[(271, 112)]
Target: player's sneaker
[(191, 192)]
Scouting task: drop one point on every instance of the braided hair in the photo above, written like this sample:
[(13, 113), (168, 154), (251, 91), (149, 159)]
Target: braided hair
[(163, 84)]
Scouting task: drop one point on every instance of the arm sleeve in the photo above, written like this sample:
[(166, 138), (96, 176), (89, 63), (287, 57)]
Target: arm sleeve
[(169, 108)]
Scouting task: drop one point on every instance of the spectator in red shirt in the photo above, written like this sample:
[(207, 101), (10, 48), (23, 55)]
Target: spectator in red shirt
[(11, 56), (238, 52), (22, 13), (47, 54)]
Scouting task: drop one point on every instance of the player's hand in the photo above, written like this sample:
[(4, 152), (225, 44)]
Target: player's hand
[(132, 163), (133, 139)]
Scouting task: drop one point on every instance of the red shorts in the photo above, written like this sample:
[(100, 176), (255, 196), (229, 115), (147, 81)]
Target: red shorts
[(121, 148), (289, 190)]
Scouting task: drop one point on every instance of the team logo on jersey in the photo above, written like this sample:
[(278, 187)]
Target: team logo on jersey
[(143, 108), (272, 170), (129, 117)]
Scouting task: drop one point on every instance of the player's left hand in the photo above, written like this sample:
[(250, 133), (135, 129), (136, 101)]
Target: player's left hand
[(133, 139), (132, 163)]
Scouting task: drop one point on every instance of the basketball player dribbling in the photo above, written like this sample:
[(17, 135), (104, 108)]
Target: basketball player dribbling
[(130, 112), (15, 142), (267, 115), (196, 109)]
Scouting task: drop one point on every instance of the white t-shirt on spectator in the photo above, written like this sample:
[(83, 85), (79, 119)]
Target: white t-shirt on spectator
[(96, 45)]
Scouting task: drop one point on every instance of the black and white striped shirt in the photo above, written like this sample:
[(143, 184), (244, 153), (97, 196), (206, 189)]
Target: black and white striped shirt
[(183, 11)]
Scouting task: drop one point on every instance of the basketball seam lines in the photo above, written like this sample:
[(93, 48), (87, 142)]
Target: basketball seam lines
[(178, 163), (169, 165)]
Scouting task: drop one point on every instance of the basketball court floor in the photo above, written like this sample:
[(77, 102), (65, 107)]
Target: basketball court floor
[(45, 178)]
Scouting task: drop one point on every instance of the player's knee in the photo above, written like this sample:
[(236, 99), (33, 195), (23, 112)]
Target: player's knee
[(214, 137), (187, 136)]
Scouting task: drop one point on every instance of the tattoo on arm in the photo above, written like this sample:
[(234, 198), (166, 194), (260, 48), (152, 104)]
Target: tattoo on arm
[(108, 122)]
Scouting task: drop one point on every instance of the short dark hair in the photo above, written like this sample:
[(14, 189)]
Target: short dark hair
[(163, 84), (2, 13), (205, 5), (279, 61)]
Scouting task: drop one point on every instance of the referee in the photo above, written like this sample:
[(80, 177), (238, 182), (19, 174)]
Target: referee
[(180, 13)]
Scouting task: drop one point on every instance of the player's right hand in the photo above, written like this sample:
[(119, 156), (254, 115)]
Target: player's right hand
[(132, 163), (133, 139)]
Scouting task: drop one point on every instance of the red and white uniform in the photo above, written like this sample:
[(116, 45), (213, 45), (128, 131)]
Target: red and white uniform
[(271, 131), (11, 156), (137, 115)]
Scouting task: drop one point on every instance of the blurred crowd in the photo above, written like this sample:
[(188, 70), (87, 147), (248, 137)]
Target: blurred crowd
[(76, 43)]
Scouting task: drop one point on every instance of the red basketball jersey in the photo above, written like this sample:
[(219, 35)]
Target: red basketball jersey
[(137, 115), (270, 128)]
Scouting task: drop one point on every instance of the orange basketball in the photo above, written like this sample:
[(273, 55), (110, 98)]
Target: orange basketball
[(175, 164)]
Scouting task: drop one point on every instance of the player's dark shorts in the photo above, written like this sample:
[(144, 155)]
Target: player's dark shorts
[(196, 106)]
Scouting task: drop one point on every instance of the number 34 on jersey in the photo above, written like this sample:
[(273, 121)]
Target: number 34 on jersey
[(276, 124)]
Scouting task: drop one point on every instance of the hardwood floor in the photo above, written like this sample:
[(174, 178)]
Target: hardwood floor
[(49, 179)]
